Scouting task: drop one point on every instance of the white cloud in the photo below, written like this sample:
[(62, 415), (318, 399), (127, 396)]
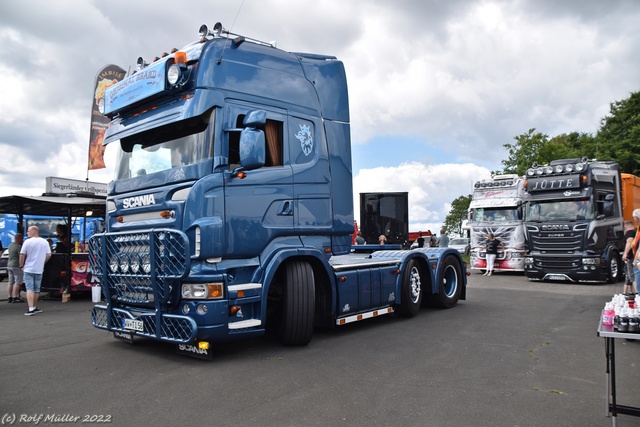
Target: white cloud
[(431, 188), (461, 77)]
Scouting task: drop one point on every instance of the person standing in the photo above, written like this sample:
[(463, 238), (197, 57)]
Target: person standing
[(35, 252), (62, 238), (420, 240), (628, 255), (491, 251), (443, 241), (359, 239), (634, 246), (13, 269)]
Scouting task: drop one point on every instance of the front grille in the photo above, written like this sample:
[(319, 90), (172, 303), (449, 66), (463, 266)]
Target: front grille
[(556, 242), (139, 267), (140, 274), (557, 263)]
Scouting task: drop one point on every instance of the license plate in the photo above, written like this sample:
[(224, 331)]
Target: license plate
[(134, 325), (556, 277)]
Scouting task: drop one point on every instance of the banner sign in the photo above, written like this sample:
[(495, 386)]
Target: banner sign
[(108, 76), (141, 85), (64, 186)]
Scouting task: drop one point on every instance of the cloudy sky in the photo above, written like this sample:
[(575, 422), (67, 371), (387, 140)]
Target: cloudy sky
[(436, 87)]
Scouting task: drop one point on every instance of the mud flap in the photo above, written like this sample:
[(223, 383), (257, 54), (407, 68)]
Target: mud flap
[(192, 350), (124, 336)]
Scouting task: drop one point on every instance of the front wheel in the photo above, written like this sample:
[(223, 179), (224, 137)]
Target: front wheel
[(297, 310), (450, 282), (613, 262)]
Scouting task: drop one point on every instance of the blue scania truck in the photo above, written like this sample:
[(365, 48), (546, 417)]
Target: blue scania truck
[(231, 209)]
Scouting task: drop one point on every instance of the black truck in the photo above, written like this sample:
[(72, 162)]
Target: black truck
[(574, 221)]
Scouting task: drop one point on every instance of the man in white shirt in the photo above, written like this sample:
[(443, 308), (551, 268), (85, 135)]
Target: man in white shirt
[(34, 253)]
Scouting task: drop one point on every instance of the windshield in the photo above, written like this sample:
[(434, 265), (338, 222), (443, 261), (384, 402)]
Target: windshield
[(566, 210), (495, 214), (178, 144)]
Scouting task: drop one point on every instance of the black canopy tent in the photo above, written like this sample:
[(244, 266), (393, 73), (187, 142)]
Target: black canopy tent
[(68, 206)]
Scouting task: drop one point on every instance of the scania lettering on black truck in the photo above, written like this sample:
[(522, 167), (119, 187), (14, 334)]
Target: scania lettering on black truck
[(574, 212), (496, 208), (231, 210)]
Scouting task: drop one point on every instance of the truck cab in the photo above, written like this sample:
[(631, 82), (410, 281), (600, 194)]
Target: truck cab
[(496, 208)]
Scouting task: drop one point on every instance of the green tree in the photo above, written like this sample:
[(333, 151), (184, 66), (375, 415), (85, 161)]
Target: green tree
[(525, 151), (619, 135), (536, 147), (574, 145), (457, 214)]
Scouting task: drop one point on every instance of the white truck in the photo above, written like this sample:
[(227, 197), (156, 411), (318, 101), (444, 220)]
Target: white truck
[(496, 208)]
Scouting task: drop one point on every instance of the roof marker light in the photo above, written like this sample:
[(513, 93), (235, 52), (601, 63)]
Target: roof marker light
[(180, 57)]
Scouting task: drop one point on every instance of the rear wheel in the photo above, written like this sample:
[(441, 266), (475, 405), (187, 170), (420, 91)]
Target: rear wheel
[(298, 303), (411, 291), (450, 282)]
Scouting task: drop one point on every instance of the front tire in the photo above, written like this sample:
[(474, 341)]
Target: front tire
[(411, 290), (297, 310), (450, 282), (613, 262)]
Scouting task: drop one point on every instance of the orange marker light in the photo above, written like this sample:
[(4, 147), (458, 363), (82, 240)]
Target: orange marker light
[(215, 290), (180, 57)]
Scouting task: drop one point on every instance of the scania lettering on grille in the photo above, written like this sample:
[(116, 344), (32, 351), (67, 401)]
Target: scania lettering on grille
[(134, 202), (555, 227)]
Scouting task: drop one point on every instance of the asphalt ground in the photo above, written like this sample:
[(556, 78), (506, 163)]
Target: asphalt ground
[(515, 353)]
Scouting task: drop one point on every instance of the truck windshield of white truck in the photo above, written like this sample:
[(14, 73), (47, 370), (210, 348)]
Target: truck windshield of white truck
[(495, 214)]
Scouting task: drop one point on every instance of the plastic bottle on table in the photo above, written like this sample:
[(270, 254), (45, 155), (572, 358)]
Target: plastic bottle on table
[(608, 314)]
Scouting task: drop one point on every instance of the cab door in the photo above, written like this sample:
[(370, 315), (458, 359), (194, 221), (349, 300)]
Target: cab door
[(259, 207)]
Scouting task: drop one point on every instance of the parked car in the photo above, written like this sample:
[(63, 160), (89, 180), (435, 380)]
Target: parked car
[(3, 264), (461, 244)]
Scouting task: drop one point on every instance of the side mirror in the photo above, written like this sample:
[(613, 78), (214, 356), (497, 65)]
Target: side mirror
[(608, 207), (255, 118), (252, 149)]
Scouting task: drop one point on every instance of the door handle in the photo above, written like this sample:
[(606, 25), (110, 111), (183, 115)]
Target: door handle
[(286, 208)]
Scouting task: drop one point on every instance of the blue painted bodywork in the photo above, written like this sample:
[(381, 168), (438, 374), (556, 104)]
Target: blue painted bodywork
[(222, 228)]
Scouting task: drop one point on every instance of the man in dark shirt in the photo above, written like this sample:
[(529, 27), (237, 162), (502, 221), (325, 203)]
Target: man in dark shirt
[(627, 257)]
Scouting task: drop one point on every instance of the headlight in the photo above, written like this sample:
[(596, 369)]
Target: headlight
[(580, 167), (173, 74), (113, 263), (146, 263), (177, 74), (124, 263), (135, 263), (528, 260), (590, 261), (558, 169), (202, 290), (568, 168)]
